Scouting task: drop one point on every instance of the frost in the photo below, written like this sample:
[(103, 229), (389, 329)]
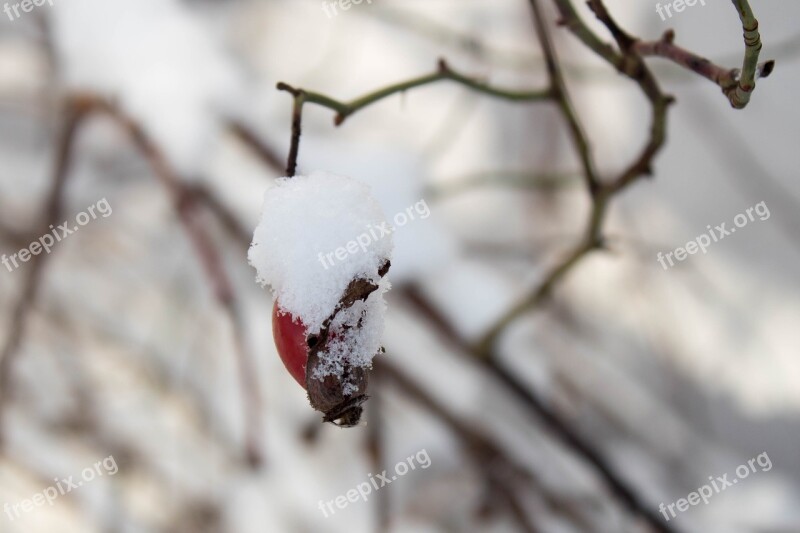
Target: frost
[(304, 218)]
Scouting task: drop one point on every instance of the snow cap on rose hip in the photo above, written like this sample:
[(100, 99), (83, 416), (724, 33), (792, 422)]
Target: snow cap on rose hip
[(303, 249)]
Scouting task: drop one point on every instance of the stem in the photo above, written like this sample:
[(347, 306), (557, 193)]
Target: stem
[(75, 112), (561, 95), (444, 72), (345, 109), (737, 86), (740, 96)]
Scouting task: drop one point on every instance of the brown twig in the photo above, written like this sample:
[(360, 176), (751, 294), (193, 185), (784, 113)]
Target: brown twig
[(262, 149), (375, 447), (562, 429), (483, 451), (726, 78), (74, 113), (558, 87), (736, 84), (631, 65), (188, 212), (76, 110)]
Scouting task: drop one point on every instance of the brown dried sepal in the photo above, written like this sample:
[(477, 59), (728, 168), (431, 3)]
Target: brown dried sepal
[(327, 395)]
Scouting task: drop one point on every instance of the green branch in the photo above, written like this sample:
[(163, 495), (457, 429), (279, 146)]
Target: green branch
[(345, 109), (444, 72)]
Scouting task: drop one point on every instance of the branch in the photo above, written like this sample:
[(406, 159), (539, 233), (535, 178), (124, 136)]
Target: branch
[(185, 199), (540, 407), (74, 113), (345, 109), (559, 89), (630, 64), (486, 454), (375, 445), (264, 151), (735, 84)]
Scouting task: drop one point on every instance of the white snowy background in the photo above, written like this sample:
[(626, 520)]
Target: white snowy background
[(674, 376)]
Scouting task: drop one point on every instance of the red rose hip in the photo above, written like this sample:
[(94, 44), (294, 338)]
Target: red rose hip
[(290, 339)]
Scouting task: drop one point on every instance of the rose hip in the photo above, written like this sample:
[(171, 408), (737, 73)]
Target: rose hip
[(290, 339)]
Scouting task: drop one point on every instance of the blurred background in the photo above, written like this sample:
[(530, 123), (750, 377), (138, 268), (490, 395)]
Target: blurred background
[(143, 340)]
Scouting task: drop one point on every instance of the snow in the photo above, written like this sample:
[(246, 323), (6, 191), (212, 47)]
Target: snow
[(396, 176), (155, 59), (357, 337), (304, 221)]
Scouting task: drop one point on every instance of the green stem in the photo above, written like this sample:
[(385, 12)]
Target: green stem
[(345, 109)]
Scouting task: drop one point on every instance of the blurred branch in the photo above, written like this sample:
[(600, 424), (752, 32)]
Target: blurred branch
[(559, 90), (74, 113), (553, 420), (187, 209), (227, 218), (483, 451), (505, 178), (375, 445), (264, 151), (520, 60)]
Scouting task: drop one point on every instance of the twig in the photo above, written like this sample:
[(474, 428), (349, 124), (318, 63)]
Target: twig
[(513, 179), (74, 113), (483, 451), (559, 90), (543, 411), (737, 85), (264, 151), (345, 109), (444, 72), (187, 209), (375, 446), (630, 64)]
